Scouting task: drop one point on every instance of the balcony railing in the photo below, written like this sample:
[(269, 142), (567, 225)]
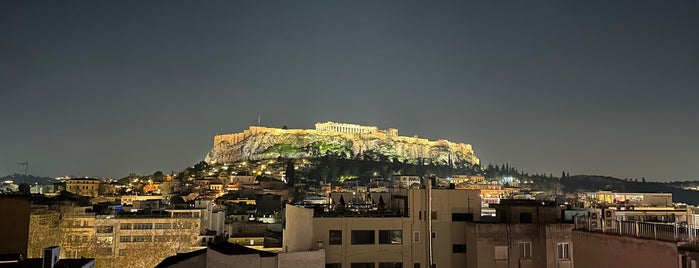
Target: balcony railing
[(672, 232)]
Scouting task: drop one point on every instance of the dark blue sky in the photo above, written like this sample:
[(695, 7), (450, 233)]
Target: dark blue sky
[(104, 88)]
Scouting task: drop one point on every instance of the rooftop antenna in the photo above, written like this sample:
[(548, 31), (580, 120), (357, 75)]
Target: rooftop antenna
[(258, 120), (26, 168)]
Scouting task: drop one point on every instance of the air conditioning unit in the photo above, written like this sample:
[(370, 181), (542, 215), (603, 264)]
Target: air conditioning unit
[(608, 213)]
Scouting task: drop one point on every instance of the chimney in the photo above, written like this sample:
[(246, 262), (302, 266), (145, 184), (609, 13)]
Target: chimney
[(51, 257)]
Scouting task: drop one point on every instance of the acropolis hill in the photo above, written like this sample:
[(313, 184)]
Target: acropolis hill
[(344, 140)]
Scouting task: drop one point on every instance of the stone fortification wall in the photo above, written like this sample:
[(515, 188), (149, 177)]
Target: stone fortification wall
[(349, 140)]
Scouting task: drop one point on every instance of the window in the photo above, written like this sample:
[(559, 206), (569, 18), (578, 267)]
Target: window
[(125, 239), (123, 252), (390, 237), (142, 226), (105, 229), (363, 237), (525, 217), (434, 215), (458, 248), (161, 238), (335, 237), (434, 235), (103, 251), (126, 226), (501, 253), (562, 251), (462, 217), (162, 226), (142, 238), (525, 250), (390, 265), (362, 265), (416, 237), (183, 225), (416, 265), (333, 265)]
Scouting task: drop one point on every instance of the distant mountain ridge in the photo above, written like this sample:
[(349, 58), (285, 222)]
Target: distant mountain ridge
[(31, 179)]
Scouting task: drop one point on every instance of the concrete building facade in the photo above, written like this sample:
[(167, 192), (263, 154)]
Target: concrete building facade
[(83, 186), (402, 240)]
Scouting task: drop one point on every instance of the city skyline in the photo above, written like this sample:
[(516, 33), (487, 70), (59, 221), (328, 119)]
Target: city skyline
[(100, 90)]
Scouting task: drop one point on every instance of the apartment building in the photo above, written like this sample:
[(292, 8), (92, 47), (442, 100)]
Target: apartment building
[(354, 236), (115, 240), (83, 186), (526, 233)]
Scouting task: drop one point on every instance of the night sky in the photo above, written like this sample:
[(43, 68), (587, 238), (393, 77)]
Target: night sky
[(106, 88)]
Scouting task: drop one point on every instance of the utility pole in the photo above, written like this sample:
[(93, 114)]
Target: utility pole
[(26, 169), (428, 217)]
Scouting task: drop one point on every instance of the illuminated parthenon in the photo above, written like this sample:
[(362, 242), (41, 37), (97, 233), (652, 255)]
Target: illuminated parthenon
[(346, 128)]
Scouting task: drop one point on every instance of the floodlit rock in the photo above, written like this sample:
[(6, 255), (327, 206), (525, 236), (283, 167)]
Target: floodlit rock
[(344, 140)]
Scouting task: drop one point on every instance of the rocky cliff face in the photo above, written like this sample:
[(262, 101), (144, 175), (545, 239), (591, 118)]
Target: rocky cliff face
[(265, 143)]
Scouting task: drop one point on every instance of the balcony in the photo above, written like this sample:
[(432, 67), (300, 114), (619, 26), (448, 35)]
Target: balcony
[(671, 232)]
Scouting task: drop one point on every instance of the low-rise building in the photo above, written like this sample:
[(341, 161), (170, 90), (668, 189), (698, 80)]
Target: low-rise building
[(222, 255), (526, 233), (83, 186)]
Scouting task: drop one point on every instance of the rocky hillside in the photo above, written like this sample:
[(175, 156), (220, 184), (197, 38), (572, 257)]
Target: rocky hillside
[(307, 144)]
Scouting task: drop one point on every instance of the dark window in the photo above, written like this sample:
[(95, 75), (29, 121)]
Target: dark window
[(462, 217), (335, 237), (162, 226), (363, 265), (363, 237), (103, 251), (390, 265), (105, 229), (142, 238), (525, 217), (416, 265), (333, 265), (390, 237), (458, 248), (142, 226), (434, 215)]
